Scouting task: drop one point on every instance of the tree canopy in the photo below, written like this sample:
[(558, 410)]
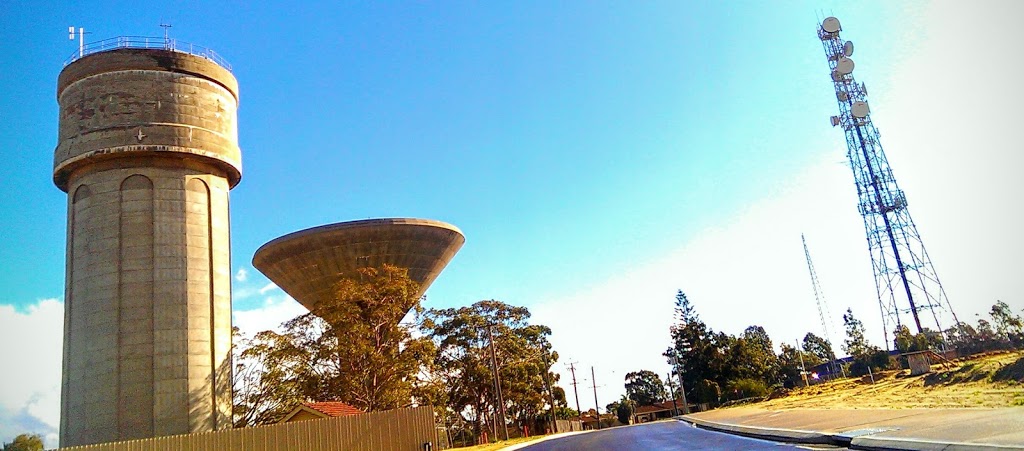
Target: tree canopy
[(463, 363), (855, 344), (819, 347), (25, 442), (354, 349), (644, 387)]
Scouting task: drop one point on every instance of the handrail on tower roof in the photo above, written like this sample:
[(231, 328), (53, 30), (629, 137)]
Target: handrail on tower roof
[(147, 42)]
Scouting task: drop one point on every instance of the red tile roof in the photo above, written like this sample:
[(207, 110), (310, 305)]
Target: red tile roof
[(659, 407), (654, 408), (333, 408)]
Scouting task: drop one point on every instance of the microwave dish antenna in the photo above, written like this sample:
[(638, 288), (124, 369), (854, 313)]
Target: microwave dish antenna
[(830, 25), (844, 66), (848, 49), (860, 109)]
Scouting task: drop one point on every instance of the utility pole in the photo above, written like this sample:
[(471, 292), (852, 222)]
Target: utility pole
[(551, 396), (497, 383), (803, 370), (682, 388), (579, 413), (597, 407), (672, 393)]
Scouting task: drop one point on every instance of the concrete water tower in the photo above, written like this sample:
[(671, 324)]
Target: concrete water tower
[(147, 152)]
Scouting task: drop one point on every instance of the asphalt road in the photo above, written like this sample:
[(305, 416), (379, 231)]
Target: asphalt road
[(662, 435)]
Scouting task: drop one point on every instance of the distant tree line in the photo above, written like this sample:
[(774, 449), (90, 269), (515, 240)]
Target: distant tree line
[(717, 367)]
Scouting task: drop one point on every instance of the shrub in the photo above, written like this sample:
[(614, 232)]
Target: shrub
[(747, 388), (709, 392)]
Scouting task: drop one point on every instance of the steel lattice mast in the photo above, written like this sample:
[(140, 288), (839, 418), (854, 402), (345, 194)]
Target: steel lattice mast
[(901, 265), (819, 296)]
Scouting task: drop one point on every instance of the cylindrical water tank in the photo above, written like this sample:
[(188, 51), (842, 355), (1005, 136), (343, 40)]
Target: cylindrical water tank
[(147, 152)]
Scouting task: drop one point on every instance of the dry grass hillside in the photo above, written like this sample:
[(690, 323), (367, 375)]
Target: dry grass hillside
[(990, 380)]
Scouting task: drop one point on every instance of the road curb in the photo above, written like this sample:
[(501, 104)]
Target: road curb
[(774, 434), (543, 439), (884, 443), (860, 443)]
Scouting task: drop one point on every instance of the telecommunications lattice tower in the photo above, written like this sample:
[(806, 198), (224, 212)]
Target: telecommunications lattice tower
[(903, 272)]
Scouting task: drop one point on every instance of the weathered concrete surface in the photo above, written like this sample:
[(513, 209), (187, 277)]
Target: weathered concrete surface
[(308, 263), (147, 152), (137, 101), (883, 428)]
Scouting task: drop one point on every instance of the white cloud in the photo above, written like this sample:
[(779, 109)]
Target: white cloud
[(242, 275), (269, 316), (268, 287), (30, 382)]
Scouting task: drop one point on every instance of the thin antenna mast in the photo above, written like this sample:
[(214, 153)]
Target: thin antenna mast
[(167, 39), (823, 313), (81, 39)]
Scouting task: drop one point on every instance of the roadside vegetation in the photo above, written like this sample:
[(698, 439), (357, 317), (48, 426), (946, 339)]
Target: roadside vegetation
[(721, 369), (993, 379), (376, 348)]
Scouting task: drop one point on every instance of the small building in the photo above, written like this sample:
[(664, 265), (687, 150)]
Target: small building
[(320, 410), (657, 411), (589, 420)]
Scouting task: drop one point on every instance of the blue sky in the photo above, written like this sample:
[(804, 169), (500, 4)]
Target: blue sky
[(597, 155)]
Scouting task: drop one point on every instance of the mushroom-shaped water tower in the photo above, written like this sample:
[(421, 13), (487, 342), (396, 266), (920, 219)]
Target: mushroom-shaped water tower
[(307, 264)]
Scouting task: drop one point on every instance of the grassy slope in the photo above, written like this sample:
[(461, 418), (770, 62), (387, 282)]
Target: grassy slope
[(994, 380)]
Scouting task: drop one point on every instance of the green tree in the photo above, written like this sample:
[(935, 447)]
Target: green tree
[(354, 349), (818, 346), (965, 339), (644, 387), (265, 387), (754, 356), (25, 442), (696, 350), (624, 409), (463, 361), (747, 388), (791, 365), (908, 342), (855, 344), (708, 392), (1010, 326), (866, 357)]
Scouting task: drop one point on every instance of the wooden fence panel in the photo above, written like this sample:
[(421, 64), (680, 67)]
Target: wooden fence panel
[(393, 430)]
